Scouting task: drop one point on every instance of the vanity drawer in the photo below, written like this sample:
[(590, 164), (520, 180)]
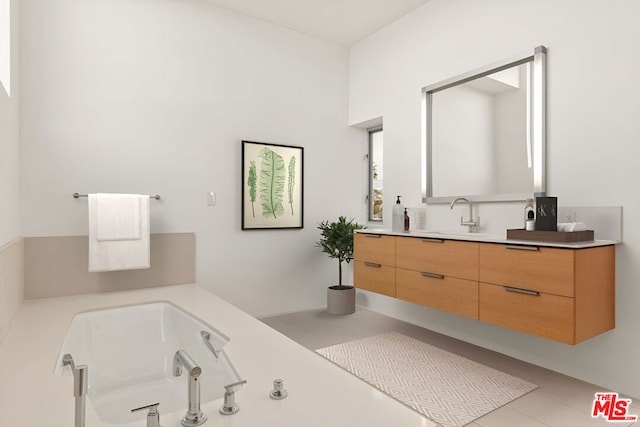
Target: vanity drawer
[(445, 293), (376, 248), (548, 270), (544, 315), (375, 277), (448, 257)]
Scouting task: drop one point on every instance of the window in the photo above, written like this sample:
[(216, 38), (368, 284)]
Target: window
[(374, 198), (5, 45)]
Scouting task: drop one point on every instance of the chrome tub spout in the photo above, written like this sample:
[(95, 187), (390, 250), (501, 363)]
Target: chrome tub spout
[(194, 416)]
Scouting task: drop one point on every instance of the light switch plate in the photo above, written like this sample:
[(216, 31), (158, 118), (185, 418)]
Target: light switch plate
[(211, 198)]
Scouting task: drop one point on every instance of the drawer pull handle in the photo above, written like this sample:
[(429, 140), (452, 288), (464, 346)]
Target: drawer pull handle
[(430, 240), (521, 291), (372, 236), (372, 264), (434, 275), (522, 248)]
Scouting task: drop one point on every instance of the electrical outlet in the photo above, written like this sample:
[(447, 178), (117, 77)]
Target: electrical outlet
[(418, 218), (569, 217), (422, 219)]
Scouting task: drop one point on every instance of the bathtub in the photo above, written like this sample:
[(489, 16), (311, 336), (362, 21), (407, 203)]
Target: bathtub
[(129, 351)]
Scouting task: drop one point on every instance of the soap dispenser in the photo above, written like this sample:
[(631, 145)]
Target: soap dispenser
[(406, 220), (397, 218), (529, 216)]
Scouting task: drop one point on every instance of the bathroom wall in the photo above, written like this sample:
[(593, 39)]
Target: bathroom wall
[(592, 143), (57, 266), (11, 283), (9, 144), (11, 245), (154, 97)]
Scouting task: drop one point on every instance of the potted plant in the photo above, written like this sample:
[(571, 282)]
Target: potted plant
[(337, 241)]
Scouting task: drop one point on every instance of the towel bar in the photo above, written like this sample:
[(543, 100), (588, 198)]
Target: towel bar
[(76, 195)]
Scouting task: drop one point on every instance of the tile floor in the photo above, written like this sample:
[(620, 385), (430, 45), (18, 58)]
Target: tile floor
[(560, 401)]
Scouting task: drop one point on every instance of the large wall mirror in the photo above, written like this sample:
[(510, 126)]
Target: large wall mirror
[(483, 133)]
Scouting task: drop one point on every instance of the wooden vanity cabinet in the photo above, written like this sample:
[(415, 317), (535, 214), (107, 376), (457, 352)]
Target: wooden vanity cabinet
[(548, 270), (437, 273), (448, 257), (458, 296), (374, 265), (562, 294), (566, 295)]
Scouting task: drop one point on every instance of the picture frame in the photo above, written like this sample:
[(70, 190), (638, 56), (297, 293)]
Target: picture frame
[(272, 186)]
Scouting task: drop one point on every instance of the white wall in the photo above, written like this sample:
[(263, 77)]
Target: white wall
[(5, 45), (155, 96), (9, 145), (11, 247), (592, 137)]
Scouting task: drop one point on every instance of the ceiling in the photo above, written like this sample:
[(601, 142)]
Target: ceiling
[(340, 21)]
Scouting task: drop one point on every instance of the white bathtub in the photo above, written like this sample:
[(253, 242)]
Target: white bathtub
[(129, 352)]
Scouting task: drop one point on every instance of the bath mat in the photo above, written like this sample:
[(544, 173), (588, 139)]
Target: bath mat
[(449, 389)]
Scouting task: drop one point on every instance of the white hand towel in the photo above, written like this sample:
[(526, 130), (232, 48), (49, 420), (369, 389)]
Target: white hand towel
[(118, 217), (572, 226), (109, 255)]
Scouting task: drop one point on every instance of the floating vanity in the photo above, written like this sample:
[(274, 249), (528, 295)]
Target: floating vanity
[(562, 292)]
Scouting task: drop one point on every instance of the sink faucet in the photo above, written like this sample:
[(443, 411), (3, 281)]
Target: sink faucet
[(471, 223), (194, 416)]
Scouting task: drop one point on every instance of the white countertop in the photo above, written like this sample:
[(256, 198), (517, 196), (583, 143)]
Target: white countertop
[(320, 393), (487, 238)]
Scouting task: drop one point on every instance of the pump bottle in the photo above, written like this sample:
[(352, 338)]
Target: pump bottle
[(397, 217), (406, 220), (529, 216)]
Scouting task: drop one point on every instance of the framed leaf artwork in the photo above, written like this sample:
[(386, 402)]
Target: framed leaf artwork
[(272, 186)]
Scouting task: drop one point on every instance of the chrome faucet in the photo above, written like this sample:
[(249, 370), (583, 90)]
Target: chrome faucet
[(80, 383), (230, 406), (194, 416), (206, 337), (471, 223), (153, 417)]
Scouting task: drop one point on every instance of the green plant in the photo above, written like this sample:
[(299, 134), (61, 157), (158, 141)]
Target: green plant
[(337, 241), (251, 182), (292, 180)]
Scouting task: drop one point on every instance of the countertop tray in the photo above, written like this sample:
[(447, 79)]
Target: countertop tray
[(550, 236)]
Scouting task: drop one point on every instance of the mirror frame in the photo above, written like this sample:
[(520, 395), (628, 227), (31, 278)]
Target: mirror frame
[(536, 141)]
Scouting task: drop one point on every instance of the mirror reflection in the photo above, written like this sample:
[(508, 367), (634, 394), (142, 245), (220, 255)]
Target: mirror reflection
[(482, 133)]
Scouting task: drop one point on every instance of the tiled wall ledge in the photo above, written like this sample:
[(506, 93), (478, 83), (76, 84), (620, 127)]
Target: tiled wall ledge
[(58, 266)]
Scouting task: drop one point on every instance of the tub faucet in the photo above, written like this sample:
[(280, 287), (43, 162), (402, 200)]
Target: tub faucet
[(471, 223), (80, 382), (153, 417), (230, 406), (194, 416), (206, 336)]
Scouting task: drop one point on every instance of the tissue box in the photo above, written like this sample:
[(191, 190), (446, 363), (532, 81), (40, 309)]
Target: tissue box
[(550, 236)]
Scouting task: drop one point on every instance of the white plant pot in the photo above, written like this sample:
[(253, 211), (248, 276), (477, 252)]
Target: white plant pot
[(341, 301)]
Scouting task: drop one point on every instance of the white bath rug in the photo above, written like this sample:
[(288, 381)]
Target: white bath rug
[(446, 388)]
